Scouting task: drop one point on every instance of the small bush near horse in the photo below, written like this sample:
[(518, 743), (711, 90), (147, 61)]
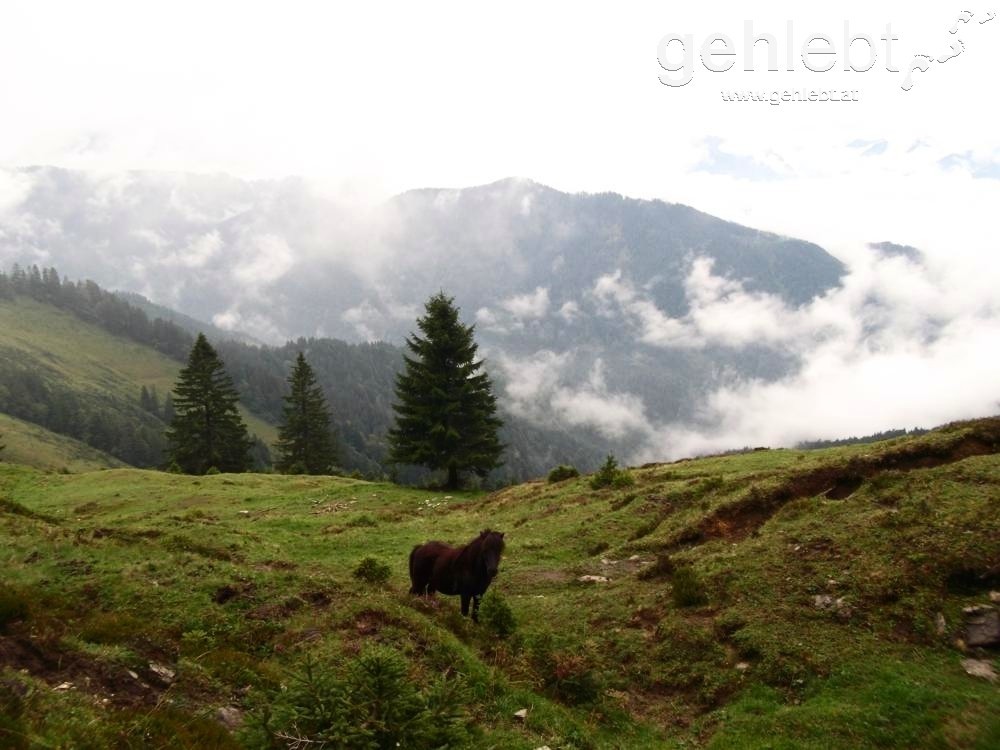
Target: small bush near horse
[(372, 571), (497, 615)]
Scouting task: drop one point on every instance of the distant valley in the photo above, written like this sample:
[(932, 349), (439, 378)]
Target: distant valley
[(585, 305)]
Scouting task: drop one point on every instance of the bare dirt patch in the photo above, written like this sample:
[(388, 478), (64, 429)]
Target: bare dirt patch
[(57, 667)]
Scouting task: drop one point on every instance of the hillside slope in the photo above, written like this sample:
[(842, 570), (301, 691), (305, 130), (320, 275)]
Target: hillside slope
[(358, 381), (779, 599), (30, 445), (78, 380)]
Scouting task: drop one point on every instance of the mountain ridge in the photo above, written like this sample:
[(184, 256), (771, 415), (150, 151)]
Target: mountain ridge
[(577, 298)]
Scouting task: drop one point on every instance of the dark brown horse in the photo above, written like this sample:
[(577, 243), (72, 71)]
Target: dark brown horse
[(462, 571)]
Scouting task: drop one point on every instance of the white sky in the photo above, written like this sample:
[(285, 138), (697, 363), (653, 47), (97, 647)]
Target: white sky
[(382, 97)]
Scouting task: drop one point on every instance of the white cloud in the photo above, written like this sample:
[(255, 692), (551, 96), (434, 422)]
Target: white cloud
[(372, 320), (655, 327), (259, 326), (14, 188), (267, 258), (528, 306), (203, 249), (614, 414), (536, 389), (569, 311), (901, 344)]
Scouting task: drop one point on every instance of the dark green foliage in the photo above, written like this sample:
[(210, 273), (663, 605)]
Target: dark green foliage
[(609, 475), (445, 407), (688, 589), (150, 401), (43, 396), (305, 442), (372, 571), (13, 606), (373, 705), (260, 455), (563, 472), (496, 615), (207, 430)]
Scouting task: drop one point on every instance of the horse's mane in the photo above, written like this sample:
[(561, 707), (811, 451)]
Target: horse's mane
[(487, 539)]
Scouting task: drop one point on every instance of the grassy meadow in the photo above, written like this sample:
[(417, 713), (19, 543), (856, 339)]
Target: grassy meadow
[(770, 599), (91, 362)]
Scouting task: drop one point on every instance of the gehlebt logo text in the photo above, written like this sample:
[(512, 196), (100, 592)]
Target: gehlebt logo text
[(678, 55)]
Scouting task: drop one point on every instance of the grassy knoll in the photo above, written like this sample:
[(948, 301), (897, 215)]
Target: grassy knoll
[(135, 605), (29, 444)]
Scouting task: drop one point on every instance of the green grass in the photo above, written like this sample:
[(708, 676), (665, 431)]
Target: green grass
[(31, 445), (232, 581), (95, 364)]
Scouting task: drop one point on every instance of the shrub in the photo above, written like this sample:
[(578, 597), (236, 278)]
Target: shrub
[(372, 571), (496, 615), (212, 471), (609, 475), (562, 473), (688, 589), (373, 704)]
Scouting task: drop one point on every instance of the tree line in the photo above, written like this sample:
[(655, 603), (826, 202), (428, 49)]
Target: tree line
[(445, 410), (358, 381)]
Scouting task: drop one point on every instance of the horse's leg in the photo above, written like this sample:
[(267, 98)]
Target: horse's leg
[(465, 605), (475, 608)]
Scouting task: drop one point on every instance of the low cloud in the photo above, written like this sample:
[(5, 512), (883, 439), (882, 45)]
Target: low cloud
[(266, 259), (371, 320), (196, 254), (528, 306), (537, 390), (900, 344)]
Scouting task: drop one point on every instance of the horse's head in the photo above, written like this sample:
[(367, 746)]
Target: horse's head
[(491, 549)]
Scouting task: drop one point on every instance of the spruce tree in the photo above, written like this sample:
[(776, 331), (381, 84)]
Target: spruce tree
[(207, 430), (446, 411), (168, 408), (305, 443)]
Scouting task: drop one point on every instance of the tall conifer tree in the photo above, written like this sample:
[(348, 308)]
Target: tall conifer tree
[(445, 411), (207, 430), (305, 442)]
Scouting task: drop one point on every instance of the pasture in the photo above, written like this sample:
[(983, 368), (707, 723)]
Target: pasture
[(143, 609)]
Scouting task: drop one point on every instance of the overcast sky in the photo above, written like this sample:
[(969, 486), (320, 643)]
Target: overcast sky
[(369, 99), (380, 97)]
